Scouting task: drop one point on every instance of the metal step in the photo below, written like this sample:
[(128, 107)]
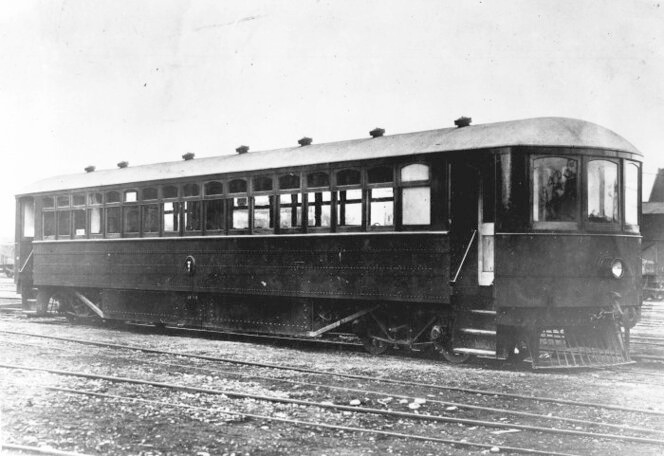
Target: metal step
[(475, 351), (488, 313), (478, 332)]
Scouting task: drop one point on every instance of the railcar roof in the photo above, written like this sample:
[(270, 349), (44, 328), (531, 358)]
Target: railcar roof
[(543, 131)]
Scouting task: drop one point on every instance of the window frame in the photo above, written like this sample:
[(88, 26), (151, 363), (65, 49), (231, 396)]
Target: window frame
[(126, 206), (553, 225), (306, 191), (368, 200), (611, 227), (336, 206), (420, 183), (230, 206), (184, 200), (627, 227), (89, 207), (177, 210), (222, 197), (272, 198)]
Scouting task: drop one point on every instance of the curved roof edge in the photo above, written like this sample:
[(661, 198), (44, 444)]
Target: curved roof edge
[(542, 131)]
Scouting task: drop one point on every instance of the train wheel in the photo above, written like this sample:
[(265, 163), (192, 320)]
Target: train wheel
[(374, 346), (454, 358)]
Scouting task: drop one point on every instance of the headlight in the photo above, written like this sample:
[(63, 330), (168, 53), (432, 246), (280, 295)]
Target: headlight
[(617, 269)]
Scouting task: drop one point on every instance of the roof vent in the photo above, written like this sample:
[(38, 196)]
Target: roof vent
[(188, 156), (463, 122), (242, 150), (123, 164), (305, 141), (89, 169), (377, 132)]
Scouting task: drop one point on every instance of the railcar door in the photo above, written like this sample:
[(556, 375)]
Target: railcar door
[(25, 232)]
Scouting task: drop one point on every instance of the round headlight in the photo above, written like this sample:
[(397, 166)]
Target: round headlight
[(617, 269)]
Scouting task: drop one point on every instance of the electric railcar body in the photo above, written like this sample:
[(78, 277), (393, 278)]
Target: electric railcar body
[(475, 240)]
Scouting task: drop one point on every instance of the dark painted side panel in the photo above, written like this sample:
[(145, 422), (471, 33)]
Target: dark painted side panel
[(553, 271), (391, 267)]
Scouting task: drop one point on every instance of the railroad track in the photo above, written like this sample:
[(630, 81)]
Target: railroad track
[(403, 415)]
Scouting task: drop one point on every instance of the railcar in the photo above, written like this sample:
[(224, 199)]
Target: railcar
[(494, 240)]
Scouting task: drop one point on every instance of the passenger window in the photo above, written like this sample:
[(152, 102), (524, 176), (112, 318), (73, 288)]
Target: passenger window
[(263, 218), (48, 202), (631, 193), (555, 192), (415, 197), (191, 190), (170, 191), (381, 174), (603, 191), (237, 186), (319, 209), (319, 179), (171, 217), (381, 206), (48, 224), (150, 194), (151, 218), (113, 216), (63, 201), (95, 220), (289, 181), (64, 223), (290, 210), (349, 207), (240, 216), (95, 198), (214, 188), (78, 199), (214, 215), (112, 197), (131, 219), (192, 215), (262, 183), (348, 177), (131, 196), (79, 222)]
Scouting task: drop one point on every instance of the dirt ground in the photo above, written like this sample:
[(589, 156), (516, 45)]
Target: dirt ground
[(33, 414)]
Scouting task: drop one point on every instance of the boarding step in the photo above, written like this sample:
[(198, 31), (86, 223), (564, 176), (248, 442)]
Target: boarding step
[(478, 332), (488, 313), (476, 352)]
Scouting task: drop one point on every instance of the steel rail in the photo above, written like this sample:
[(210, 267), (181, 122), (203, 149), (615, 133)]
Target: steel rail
[(314, 424), (344, 375), (392, 413), (38, 450)]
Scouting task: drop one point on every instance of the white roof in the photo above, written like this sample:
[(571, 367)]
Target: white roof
[(544, 131)]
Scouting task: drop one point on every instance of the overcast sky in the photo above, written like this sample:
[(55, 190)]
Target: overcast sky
[(97, 82)]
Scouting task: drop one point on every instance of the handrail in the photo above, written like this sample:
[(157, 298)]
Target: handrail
[(465, 255), (27, 260)]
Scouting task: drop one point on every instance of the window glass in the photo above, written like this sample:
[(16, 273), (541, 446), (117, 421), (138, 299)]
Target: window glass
[(28, 218), (49, 223), (112, 197), (113, 216), (237, 186), (151, 218), (380, 174), (263, 212), (214, 188), (240, 219), (131, 219), (63, 201), (602, 191), (382, 206), (290, 210), (150, 194), (631, 194), (131, 196), (349, 207), (48, 202), (319, 209), (171, 216), (79, 222), (95, 220), (416, 205), (192, 215), (95, 198), (78, 199), (191, 190), (289, 181), (214, 215), (415, 172), (170, 191), (348, 177), (64, 223), (555, 189), (262, 183), (318, 180)]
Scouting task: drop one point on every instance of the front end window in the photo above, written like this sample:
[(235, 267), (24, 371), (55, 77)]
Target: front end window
[(603, 200), (555, 189), (631, 194)]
